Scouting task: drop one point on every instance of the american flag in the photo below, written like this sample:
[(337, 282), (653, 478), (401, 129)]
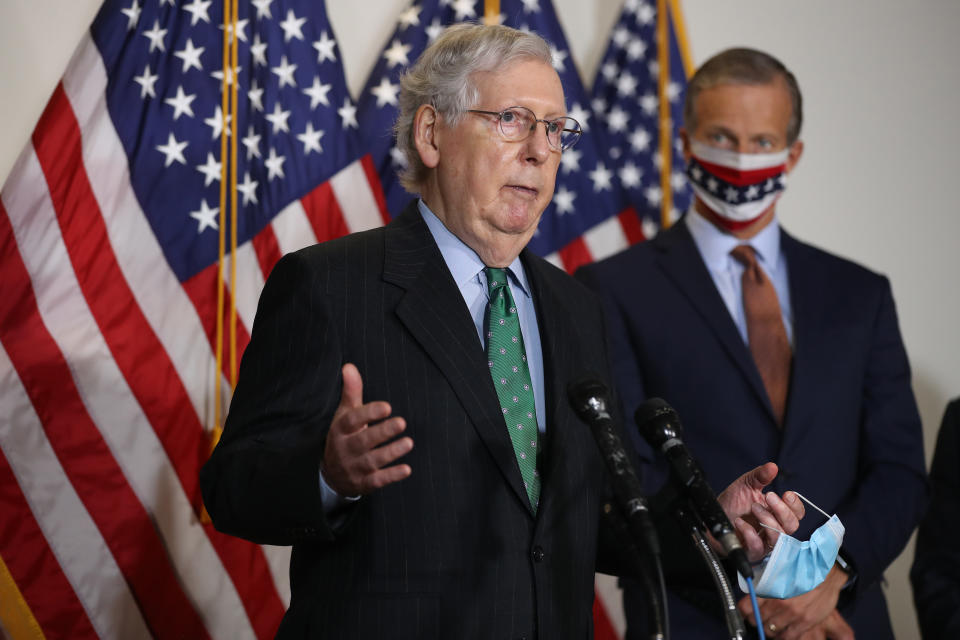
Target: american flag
[(627, 97), (109, 234), (108, 285)]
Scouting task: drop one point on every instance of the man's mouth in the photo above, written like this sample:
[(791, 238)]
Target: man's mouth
[(524, 190)]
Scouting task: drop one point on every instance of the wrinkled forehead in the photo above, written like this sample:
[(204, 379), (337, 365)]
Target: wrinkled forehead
[(525, 82)]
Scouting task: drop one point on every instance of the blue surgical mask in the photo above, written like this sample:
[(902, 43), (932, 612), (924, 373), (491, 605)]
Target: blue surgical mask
[(793, 567)]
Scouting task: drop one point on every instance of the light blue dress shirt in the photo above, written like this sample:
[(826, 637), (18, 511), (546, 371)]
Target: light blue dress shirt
[(715, 247)]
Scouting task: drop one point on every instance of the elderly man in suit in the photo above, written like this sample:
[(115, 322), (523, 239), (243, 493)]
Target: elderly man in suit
[(769, 349), (400, 417)]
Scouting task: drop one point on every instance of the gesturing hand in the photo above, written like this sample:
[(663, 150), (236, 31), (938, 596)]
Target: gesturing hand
[(747, 506), (354, 462)]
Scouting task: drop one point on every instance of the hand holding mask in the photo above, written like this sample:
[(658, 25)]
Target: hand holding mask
[(795, 567)]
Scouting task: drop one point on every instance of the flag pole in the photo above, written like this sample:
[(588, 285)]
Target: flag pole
[(491, 12), (234, 115), (683, 41), (666, 123), (15, 614), (229, 25), (224, 131)]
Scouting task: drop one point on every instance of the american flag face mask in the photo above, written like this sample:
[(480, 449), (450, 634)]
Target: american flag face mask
[(738, 187)]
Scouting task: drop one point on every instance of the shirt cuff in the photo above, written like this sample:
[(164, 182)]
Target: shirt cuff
[(848, 589), (332, 501)]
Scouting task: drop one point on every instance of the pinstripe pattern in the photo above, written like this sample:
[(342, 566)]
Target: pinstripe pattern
[(452, 550)]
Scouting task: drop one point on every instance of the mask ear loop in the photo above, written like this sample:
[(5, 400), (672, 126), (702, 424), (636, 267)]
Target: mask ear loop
[(772, 528), (802, 497), (825, 514)]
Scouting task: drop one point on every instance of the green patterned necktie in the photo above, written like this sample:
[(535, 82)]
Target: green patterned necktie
[(507, 360)]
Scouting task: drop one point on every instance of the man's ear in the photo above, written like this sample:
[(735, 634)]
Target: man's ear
[(426, 125), (793, 157)]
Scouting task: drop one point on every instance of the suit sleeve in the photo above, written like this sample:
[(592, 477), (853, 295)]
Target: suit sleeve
[(892, 489), (262, 480), (935, 574)]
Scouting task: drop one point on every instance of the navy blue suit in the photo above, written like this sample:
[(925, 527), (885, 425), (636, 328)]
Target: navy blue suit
[(851, 440)]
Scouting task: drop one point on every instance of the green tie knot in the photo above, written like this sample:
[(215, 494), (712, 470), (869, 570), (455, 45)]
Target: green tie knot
[(496, 279)]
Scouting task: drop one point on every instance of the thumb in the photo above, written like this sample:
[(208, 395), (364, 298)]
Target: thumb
[(762, 476), (352, 395)]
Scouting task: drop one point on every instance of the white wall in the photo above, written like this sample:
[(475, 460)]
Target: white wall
[(880, 82)]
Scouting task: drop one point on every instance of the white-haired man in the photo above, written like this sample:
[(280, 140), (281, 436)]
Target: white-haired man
[(441, 330)]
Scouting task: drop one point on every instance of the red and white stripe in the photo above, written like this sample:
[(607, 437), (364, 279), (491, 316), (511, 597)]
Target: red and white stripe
[(603, 240), (106, 381)]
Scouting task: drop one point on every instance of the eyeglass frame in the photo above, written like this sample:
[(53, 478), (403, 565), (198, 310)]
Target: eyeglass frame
[(546, 125)]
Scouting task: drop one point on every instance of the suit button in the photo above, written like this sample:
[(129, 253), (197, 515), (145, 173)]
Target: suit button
[(537, 554)]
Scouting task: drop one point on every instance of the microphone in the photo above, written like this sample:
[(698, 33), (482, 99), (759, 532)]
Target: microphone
[(660, 426), (590, 399)]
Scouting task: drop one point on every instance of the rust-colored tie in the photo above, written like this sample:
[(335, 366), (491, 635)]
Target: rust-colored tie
[(765, 331)]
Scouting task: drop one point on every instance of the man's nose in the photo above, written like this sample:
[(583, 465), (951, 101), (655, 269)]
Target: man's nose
[(536, 147)]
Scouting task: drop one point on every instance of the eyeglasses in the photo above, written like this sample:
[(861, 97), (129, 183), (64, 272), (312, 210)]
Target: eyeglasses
[(517, 123)]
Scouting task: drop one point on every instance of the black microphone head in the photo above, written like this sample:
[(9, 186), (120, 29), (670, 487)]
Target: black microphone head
[(658, 422), (589, 398)]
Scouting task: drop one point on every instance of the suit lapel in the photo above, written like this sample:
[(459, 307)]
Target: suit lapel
[(680, 260), (434, 313), (809, 323)]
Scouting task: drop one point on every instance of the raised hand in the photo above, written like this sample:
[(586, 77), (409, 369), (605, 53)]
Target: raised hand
[(355, 458), (747, 506)]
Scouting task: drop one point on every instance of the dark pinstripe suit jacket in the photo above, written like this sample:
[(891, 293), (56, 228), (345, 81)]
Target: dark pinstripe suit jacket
[(452, 551)]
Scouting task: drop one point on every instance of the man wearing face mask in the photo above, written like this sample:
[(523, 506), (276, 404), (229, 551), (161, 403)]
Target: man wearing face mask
[(768, 348)]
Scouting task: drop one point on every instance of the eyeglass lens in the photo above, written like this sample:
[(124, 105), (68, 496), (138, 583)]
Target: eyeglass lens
[(517, 123)]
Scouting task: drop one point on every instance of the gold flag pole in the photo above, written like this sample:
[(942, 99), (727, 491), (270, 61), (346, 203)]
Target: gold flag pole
[(491, 12), (229, 24), (666, 122), (234, 113), (224, 162)]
